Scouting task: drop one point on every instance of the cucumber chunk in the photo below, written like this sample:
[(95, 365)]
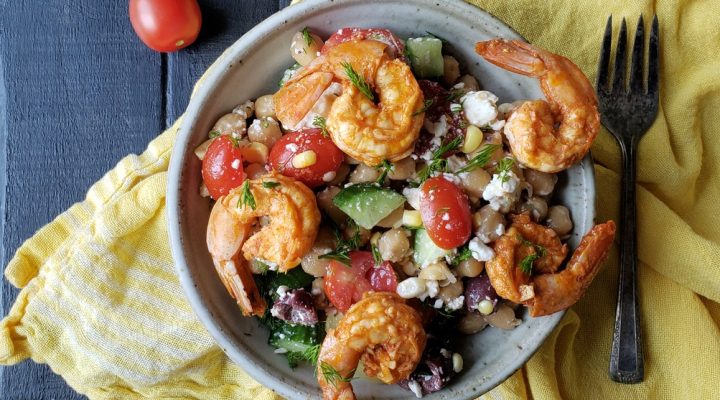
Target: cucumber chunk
[(367, 203), (425, 55), (425, 250)]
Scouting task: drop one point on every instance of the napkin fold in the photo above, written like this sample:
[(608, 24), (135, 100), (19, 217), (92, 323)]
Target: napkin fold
[(101, 305)]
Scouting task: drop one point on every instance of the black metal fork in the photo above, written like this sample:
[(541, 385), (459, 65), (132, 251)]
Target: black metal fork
[(627, 112)]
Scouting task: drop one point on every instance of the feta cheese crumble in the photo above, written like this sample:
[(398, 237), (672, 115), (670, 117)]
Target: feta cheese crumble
[(480, 109), (480, 251), (502, 195)]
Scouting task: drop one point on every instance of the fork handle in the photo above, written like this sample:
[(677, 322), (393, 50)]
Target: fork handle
[(626, 356)]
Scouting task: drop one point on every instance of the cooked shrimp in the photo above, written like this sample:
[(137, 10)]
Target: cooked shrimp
[(294, 222), (555, 292), (366, 131), (571, 106), (380, 329), (548, 291)]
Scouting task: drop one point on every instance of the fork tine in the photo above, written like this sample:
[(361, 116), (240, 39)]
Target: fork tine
[(620, 60), (653, 59), (604, 63), (636, 66)]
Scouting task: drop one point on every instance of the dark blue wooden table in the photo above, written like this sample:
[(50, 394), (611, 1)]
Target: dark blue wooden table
[(78, 91)]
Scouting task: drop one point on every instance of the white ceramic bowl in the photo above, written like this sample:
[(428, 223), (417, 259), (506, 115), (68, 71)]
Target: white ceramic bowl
[(251, 67)]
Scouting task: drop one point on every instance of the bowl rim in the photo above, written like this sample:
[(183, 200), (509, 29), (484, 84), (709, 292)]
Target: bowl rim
[(202, 92)]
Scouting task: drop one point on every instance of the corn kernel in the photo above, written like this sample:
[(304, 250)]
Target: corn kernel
[(254, 152), (412, 218), (485, 307), (473, 138), (411, 287), (304, 159), (457, 362)]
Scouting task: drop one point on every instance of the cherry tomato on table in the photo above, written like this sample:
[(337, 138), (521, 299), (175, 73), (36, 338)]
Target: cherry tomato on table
[(222, 167), (396, 47), (445, 212), (327, 157), (166, 25), (345, 285)]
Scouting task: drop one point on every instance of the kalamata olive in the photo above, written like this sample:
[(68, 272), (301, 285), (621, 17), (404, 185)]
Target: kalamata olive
[(296, 307), (478, 289), (433, 373)]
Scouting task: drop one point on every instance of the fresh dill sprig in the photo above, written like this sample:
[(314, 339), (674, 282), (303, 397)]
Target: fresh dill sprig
[(503, 168), (344, 246), (437, 163), (320, 122), (449, 146), (526, 265), (480, 159), (376, 255), (213, 134), (310, 354), (235, 141), (332, 376), (246, 196), (270, 184), (454, 95), (358, 81), (463, 254), (426, 105), (307, 36), (385, 168)]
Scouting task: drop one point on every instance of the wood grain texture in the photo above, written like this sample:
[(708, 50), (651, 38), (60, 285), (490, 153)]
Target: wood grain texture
[(78, 91)]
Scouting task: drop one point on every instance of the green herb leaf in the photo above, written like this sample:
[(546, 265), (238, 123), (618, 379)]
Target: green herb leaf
[(376, 255), (332, 376), (480, 159), (321, 122), (310, 355), (526, 265), (438, 164), (344, 246), (264, 123), (454, 95), (463, 254), (446, 147), (437, 37), (385, 167), (503, 168), (235, 141), (246, 196), (456, 108), (307, 36), (426, 105), (270, 184), (358, 81), (213, 134)]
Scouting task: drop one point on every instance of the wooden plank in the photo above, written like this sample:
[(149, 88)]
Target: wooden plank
[(223, 23), (81, 93)]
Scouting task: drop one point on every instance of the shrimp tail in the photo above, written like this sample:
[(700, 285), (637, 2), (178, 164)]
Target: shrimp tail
[(240, 284), (512, 55), (555, 292)]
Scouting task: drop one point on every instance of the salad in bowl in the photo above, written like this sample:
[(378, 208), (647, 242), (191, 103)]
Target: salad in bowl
[(380, 204)]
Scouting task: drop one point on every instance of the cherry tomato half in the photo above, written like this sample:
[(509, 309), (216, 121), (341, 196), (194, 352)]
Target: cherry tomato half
[(445, 212), (328, 156), (222, 167), (166, 25), (396, 47), (345, 285)]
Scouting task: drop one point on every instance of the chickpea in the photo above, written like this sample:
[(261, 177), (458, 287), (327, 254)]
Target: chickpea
[(541, 182), (231, 124), (265, 107), (305, 47), (475, 182), (364, 234), (393, 245), (324, 200), (489, 224), (469, 268), (537, 206), (472, 323), (255, 171), (451, 70), (402, 169), (324, 244), (559, 220), (394, 219), (364, 173), (340, 175), (245, 109), (470, 84), (265, 130), (503, 318), (451, 291)]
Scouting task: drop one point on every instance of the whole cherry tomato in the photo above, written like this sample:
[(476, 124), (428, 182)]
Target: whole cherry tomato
[(327, 156), (345, 285), (445, 212), (396, 47), (222, 167), (166, 25)]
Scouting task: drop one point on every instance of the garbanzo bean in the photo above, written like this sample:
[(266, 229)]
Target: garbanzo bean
[(475, 181), (264, 130), (393, 245), (451, 69), (402, 169), (537, 206), (469, 268), (255, 171), (305, 47), (488, 224), (363, 173), (541, 182), (231, 123), (559, 220), (324, 200), (451, 291), (470, 84), (265, 107)]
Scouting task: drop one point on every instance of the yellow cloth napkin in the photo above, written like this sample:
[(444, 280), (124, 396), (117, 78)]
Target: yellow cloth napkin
[(100, 303)]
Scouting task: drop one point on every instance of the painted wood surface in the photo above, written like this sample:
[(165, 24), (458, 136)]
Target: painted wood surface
[(78, 91)]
